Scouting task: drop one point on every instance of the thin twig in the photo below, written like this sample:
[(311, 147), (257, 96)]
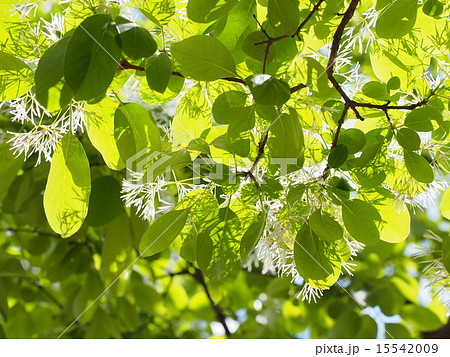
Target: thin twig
[(45, 292), (219, 313), (29, 230), (261, 147), (334, 54), (336, 137)]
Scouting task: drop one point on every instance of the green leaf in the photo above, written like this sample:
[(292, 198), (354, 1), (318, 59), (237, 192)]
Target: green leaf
[(229, 108), (50, 90), (420, 119), (397, 19), (163, 232), (218, 244), (239, 137), (10, 266), (268, 90), (252, 235), (325, 226), (15, 77), (202, 203), (66, 195), (158, 11), (445, 205), (418, 167), (100, 129), (203, 58), (193, 116), (446, 252), (396, 221), (204, 11), (143, 126), (317, 261), (137, 42), (150, 96), (92, 57), (168, 162), (4, 308), (158, 72), (393, 83), (295, 194), (224, 106), (353, 139), (420, 318), (257, 51), (360, 220), (118, 248), (408, 139), (338, 155), (433, 8), (287, 136), (105, 202), (376, 90), (9, 167), (284, 15)]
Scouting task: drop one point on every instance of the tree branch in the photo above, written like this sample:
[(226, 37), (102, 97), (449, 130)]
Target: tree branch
[(219, 313), (261, 147), (124, 64), (271, 40), (336, 137), (45, 292), (334, 54), (29, 230)]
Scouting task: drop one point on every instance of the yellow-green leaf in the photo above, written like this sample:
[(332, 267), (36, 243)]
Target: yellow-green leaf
[(100, 129), (66, 196), (396, 222), (445, 204)]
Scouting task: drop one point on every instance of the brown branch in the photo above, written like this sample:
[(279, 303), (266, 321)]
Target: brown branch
[(30, 230), (45, 292), (219, 313), (297, 87), (124, 64), (307, 18), (261, 147), (389, 107), (271, 40), (334, 54), (336, 136)]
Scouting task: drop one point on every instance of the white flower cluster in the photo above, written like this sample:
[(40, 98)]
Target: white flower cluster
[(435, 272), (361, 36), (41, 138), (275, 249), (54, 29), (150, 198)]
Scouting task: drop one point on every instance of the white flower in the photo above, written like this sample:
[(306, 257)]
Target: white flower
[(77, 116), (27, 109), (435, 271), (26, 8), (348, 268), (143, 195), (40, 140), (309, 293), (54, 28)]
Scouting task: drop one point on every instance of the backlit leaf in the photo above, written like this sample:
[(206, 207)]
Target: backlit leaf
[(92, 57), (66, 196), (163, 232), (360, 219), (203, 58)]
